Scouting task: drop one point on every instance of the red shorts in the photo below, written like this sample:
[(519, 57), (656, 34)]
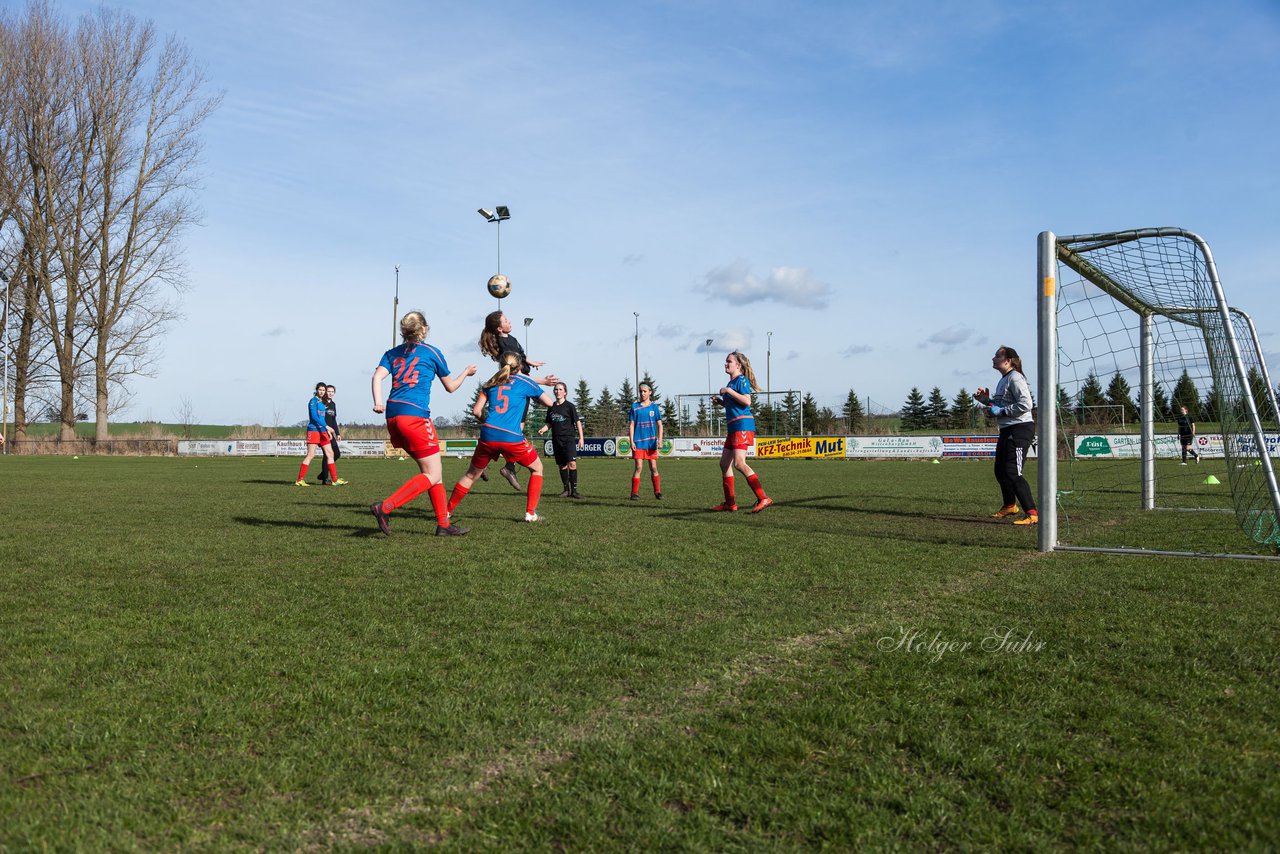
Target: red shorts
[(521, 453), (642, 454), (740, 440), (315, 437), (413, 434)]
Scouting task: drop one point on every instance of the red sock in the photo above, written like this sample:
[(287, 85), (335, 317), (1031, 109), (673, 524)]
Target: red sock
[(754, 483), (657, 483), (440, 504), (459, 493), (412, 488), (333, 473), (302, 472), (534, 493), (728, 489), (1033, 512), (635, 485)]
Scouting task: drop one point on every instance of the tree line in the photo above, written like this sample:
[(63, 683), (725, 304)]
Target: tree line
[(99, 143)]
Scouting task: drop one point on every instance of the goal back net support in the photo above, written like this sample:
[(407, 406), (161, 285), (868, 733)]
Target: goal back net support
[(1137, 321), (777, 413)]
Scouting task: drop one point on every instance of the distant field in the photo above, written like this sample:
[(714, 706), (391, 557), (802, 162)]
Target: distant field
[(197, 655)]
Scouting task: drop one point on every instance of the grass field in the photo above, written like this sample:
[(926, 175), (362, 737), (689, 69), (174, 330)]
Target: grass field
[(196, 655)]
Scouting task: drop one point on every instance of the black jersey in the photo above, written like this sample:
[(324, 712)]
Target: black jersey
[(511, 344), (563, 420), (1186, 427)]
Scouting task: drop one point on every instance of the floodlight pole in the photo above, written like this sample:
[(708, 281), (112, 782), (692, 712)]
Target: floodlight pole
[(768, 382), (395, 309), (637, 314), (710, 406), (527, 321), (496, 216)]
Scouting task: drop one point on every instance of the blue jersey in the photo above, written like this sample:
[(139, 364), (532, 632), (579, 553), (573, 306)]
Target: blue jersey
[(646, 419), (315, 416), (413, 365), (507, 403), (738, 418)]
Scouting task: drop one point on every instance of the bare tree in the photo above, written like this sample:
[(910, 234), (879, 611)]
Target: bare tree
[(185, 414), (99, 141), (147, 107), (35, 118)]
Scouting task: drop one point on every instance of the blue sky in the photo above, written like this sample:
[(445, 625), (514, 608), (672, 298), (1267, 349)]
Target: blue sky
[(865, 180)]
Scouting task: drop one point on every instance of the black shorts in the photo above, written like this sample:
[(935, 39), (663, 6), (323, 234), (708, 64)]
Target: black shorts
[(565, 450)]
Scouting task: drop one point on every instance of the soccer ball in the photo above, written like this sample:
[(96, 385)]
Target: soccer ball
[(499, 286)]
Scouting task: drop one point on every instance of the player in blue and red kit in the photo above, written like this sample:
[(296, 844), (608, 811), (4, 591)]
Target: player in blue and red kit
[(645, 431), (412, 366), (319, 439), (736, 400), (502, 401)]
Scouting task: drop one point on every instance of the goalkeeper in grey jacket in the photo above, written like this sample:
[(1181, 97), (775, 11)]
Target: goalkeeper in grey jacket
[(1011, 404)]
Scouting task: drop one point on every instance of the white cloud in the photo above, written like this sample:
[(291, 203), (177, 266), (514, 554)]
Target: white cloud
[(952, 338), (856, 350), (794, 286)]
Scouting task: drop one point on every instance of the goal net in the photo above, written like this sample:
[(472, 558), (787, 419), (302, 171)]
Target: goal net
[(1133, 327)]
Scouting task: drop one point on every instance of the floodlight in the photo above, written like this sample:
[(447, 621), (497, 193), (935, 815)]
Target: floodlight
[(504, 212), (487, 214)]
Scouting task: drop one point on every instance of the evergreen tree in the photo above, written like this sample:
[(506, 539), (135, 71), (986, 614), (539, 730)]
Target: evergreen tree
[(812, 418), (1209, 406), (670, 421), (791, 414), (606, 413), (469, 421), (687, 425), (704, 418), (915, 412), (829, 424), (1089, 398), (854, 416), (1159, 401), (1186, 394), (765, 419), (1119, 394), (582, 400), (938, 414), (648, 380), (626, 399), (1261, 401), (964, 412)]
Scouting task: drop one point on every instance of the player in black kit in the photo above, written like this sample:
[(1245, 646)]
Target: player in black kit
[(566, 438)]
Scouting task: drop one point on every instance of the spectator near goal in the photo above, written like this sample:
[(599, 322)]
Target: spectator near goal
[(1187, 435)]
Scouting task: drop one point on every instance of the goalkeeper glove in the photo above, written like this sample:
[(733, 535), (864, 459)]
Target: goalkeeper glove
[(997, 410)]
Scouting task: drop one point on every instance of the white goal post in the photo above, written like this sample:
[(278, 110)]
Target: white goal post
[(1168, 314)]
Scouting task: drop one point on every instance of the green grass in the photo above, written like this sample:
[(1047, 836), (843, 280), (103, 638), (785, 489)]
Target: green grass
[(196, 655)]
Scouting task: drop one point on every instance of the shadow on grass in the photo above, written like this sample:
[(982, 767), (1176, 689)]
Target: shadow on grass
[(258, 522), (906, 525)]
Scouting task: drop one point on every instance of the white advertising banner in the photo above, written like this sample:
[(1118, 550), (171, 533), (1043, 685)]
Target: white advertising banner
[(712, 446), (275, 448), (881, 447), (1113, 446)]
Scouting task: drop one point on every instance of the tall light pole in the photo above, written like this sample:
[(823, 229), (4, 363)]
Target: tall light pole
[(637, 314), (768, 380), (710, 407), (496, 216), (395, 309), (527, 321)]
